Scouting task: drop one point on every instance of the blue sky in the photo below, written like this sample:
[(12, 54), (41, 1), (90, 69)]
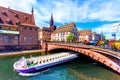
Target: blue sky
[(97, 15)]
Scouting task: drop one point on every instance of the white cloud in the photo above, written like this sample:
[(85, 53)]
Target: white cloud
[(108, 11), (107, 30), (66, 11)]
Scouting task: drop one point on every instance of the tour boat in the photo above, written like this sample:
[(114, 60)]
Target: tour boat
[(35, 64)]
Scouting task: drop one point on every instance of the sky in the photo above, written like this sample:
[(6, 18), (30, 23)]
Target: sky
[(101, 16)]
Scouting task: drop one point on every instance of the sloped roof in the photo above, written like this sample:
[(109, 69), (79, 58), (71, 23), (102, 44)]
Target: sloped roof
[(65, 28), (94, 33), (84, 32), (46, 29), (7, 14)]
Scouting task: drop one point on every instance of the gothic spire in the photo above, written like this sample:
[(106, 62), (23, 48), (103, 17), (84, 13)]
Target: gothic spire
[(51, 20)]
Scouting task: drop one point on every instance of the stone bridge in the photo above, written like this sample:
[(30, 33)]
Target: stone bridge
[(104, 56)]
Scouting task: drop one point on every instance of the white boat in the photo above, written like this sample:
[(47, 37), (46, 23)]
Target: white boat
[(34, 64)]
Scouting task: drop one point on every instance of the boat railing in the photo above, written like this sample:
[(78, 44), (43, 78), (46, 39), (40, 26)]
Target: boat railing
[(50, 58)]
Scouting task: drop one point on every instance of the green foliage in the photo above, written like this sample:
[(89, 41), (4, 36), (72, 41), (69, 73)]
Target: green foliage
[(70, 37), (103, 38)]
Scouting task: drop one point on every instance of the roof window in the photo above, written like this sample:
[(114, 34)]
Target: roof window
[(4, 13), (17, 22), (1, 20), (16, 15), (8, 21), (26, 17)]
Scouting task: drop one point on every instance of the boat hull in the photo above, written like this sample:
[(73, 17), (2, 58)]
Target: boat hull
[(45, 66)]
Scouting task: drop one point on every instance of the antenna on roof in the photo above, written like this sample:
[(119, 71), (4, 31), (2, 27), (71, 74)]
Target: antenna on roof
[(8, 7), (32, 11)]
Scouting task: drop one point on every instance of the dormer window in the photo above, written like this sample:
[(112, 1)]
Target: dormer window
[(17, 22), (16, 15), (1, 20), (4, 13), (8, 21), (26, 17)]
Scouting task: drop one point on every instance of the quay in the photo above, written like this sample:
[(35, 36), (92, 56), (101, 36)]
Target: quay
[(20, 52)]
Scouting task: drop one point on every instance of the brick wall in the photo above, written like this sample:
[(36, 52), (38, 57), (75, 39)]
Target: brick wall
[(28, 35)]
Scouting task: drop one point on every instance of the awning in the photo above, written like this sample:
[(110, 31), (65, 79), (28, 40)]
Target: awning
[(9, 32)]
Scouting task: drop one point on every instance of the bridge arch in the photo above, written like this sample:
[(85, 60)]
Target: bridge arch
[(88, 52)]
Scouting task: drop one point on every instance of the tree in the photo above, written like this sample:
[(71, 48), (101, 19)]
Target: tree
[(103, 38), (70, 37)]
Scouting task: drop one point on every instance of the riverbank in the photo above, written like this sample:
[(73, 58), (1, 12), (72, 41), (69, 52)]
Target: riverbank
[(13, 53)]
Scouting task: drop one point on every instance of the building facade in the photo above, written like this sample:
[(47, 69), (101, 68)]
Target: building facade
[(61, 33), (85, 35), (17, 30), (44, 33), (88, 35), (95, 36)]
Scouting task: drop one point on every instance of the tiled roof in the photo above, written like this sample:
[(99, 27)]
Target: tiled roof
[(84, 32), (14, 17), (46, 29), (64, 28)]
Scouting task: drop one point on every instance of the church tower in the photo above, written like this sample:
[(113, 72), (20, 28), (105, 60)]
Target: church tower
[(52, 26), (51, 20)]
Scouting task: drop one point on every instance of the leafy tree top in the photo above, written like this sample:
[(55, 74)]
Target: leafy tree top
[(70, 37)]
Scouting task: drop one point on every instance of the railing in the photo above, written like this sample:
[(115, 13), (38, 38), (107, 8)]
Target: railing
[(100, 49)]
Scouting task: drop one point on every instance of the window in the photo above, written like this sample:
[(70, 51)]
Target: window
[(8, 21), (25, 28), (4, 13), (35, 29), (30, 38), (16, 38), (17, 22), (16, 15), (30, 28), (9, 28), (35, 38), (5, 38), (24, 38)]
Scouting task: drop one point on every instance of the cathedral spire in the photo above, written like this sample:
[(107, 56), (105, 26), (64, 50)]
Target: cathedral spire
[(51, 20), (52, 26)]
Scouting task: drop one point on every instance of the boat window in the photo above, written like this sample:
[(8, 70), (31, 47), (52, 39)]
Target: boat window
[(44, 61)]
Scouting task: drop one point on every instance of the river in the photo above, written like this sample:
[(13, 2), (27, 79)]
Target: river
[(80, 69)]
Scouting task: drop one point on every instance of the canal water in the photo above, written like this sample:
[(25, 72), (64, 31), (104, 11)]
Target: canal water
[(79, 69)]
